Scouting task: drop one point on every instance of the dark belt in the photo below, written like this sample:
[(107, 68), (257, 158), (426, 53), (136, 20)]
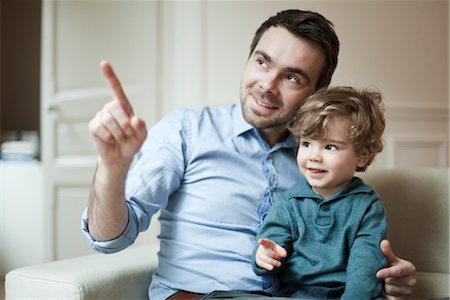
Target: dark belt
[(183, 295)]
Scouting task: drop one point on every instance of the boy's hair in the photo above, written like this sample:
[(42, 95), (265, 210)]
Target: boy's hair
[(310, 26), (363, 109)]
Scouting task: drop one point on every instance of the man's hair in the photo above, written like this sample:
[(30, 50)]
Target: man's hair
[(310, 26), (363, 109)]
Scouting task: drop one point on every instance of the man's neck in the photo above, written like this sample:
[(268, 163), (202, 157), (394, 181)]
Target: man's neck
[(272, 136)]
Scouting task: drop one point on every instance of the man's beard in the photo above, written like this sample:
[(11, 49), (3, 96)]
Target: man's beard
[(260, 121)]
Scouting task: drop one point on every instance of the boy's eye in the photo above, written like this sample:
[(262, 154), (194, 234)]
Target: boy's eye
[(331, 147), (305, 144)]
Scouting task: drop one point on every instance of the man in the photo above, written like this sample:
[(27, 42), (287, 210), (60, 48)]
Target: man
[(214, 172)]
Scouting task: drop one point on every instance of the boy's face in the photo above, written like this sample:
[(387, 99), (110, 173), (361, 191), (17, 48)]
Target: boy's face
[(329, 164), (280, 73)]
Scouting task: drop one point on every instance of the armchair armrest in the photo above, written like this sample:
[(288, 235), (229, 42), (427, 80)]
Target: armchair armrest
[(123, 275)]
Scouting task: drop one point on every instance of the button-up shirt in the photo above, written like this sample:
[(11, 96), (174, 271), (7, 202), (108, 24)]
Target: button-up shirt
[(213, 178)]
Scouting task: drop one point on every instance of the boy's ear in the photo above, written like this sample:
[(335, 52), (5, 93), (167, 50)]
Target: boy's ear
[(363, 159), (362, 162)]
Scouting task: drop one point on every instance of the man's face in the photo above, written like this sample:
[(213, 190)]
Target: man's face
[(280, 73)]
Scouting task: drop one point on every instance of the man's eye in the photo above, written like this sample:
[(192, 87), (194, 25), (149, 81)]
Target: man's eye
[(293, 79), (261, 62)]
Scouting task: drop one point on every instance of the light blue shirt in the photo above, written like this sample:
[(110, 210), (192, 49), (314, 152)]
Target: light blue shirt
[(213, 178)]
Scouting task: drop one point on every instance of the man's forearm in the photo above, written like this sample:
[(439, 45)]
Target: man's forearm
[(107, 211)]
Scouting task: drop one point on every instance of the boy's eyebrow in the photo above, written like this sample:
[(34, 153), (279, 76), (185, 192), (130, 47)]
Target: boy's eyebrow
[(287, 69), (336, 142), (324, 140)]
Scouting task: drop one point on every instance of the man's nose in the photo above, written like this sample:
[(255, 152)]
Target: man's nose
[(269, 83)]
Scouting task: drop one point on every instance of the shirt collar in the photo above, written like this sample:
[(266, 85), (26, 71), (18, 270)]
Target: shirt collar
[(241, 126), (304, 190)]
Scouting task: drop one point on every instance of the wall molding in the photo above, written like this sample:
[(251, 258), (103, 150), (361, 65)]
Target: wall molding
[(431, 151), (416, 137), (397, 113)]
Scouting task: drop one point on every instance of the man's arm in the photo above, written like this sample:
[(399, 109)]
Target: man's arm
[(117, 134), (399, 276)]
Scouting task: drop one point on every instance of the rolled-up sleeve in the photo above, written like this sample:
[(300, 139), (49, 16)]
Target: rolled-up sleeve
[(126, 239)]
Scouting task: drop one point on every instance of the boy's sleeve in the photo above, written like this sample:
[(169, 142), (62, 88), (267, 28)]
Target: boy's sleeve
[(366, 257), (276, 227)]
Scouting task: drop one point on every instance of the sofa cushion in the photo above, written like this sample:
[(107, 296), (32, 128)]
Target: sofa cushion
[(417, 204)]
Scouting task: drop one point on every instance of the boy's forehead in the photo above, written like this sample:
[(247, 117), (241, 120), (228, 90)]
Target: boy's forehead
[(336, 129)]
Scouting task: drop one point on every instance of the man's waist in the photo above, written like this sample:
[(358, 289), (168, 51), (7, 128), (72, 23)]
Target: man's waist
[(203, 279)]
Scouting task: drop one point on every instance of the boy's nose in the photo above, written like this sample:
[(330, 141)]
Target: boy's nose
[(315, 155)]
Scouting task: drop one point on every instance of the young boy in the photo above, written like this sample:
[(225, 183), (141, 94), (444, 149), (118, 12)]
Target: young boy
[(321, 236)]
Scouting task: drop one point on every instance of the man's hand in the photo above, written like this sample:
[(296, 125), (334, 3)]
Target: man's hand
[(399, 277), (117, 133), (269, 254)]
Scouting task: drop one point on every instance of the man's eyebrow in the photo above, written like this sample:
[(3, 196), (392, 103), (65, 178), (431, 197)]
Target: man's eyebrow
[(288, 69), (263, 54)]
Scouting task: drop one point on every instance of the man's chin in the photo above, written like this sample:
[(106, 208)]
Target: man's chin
[(256, 121), (261, 121)]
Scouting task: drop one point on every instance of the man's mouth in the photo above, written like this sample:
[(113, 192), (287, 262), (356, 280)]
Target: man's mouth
[(263, 104)]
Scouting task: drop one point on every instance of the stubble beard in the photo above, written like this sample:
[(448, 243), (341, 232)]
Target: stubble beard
[(260, 121)]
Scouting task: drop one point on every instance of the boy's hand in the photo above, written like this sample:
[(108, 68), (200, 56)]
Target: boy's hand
[(269, 254)]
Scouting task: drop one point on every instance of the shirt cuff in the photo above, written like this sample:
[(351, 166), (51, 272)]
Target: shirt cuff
[(126, 239)]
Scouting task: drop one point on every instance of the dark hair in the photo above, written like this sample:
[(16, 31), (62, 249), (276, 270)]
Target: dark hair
[(311, 26)]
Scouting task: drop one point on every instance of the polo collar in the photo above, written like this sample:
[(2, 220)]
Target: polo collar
[(304, 190)]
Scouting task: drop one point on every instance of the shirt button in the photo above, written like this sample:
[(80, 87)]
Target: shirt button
[(325, 207)]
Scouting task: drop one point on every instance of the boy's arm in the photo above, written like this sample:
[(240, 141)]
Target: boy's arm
[(365, 257), (273, 236)]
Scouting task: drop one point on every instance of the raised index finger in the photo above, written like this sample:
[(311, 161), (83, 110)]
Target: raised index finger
[(116, 87)]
